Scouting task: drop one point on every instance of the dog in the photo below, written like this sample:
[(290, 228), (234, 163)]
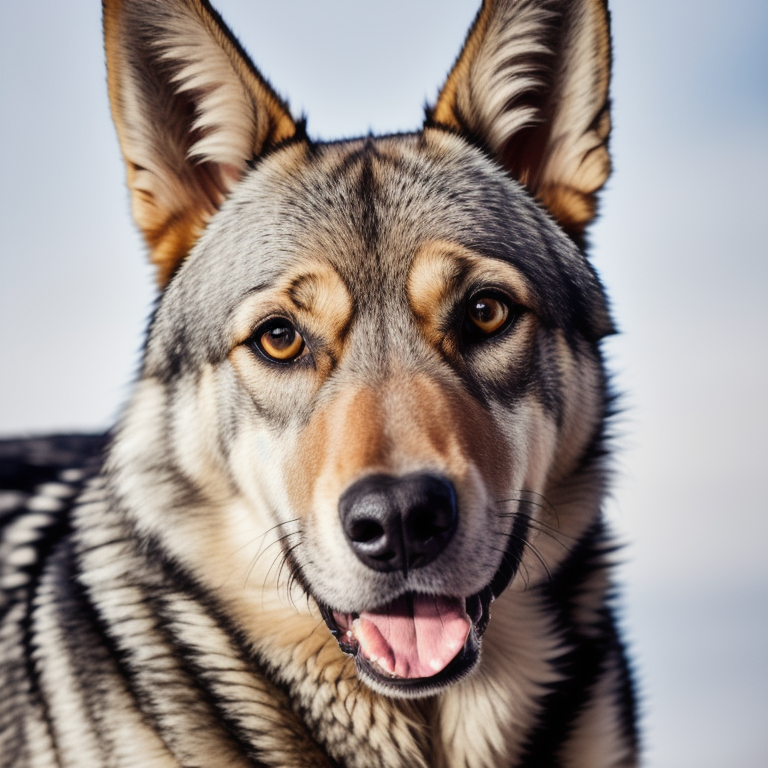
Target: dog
[(351, 513)]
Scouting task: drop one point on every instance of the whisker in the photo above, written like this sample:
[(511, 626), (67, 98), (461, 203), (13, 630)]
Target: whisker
[(283, 558), (545, 503), (262, 535), (317, 626), (505, 557), (276, 559), (536, 552), (291, 574), (540, 527), (263, 551)]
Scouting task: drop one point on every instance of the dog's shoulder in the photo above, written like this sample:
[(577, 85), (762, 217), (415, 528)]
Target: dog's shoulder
[(40, 479)]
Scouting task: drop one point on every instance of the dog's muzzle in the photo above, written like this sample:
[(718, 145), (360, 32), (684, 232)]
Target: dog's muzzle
[(417, 643)]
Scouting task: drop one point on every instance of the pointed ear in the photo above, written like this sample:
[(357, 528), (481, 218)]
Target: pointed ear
[(531, 85), (190, 109)]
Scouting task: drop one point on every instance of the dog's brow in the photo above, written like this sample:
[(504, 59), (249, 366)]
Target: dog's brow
[(440, 269), (303, 290), (258, 288)]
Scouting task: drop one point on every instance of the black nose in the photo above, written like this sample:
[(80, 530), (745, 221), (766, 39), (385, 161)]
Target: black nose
[(398, 523)]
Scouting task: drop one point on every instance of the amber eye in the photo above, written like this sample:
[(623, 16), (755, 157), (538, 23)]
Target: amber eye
[(279, 341), (487, 315)]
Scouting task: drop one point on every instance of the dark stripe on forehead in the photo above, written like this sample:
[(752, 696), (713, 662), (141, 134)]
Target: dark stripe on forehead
[(366, 217), (369, 225)]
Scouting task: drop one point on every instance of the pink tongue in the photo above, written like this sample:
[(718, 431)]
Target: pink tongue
[(415, 635)]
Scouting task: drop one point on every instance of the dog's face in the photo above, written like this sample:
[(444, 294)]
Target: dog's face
[(386, 352)]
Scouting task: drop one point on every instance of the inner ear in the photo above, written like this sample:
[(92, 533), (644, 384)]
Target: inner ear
[(531, 85), (191, 110)]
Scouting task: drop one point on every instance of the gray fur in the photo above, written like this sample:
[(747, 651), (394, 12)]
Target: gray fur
[(169, 609)]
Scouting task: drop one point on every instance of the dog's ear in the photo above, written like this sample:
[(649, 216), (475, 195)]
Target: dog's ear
[(531, 85), (190, 109)]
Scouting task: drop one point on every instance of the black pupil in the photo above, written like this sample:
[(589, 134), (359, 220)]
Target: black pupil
[(484, 310), (281, 336)]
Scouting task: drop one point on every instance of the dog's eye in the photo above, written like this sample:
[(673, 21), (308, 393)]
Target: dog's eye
[(279, 340), (488, 314)]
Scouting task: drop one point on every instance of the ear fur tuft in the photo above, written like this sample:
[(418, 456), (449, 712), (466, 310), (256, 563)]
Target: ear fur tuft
[(191, 111), (531, 85)]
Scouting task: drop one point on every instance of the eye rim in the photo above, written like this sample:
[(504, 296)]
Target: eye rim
[(473, 331), (256, 341)]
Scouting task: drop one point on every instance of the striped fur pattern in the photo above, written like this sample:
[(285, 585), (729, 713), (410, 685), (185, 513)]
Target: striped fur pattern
[(351, 514)]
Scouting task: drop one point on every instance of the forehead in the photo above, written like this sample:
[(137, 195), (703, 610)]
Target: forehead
[(366, 208)]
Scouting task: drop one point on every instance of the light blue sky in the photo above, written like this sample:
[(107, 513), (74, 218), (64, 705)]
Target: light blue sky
[(681, 245)]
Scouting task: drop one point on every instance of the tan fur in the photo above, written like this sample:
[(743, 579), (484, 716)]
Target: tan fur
[(551, 122), (439, 272), (176, 190), (333, 434)]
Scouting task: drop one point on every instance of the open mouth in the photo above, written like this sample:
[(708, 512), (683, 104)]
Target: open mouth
[(415, 644), (418, 643)]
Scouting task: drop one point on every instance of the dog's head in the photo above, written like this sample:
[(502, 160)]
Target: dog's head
[(385, 350)]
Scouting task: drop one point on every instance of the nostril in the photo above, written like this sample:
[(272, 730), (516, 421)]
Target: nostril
[(365, 531), (428, 521), (384, 557)]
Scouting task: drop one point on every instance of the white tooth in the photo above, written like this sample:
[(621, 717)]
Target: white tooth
[(349, 633)]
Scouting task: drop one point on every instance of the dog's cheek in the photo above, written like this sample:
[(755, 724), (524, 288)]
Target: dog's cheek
[(567, 471), (263, 413), (198, 442), (221, 440), (276, 394), (584, 403), (529, 431), (551, 423)]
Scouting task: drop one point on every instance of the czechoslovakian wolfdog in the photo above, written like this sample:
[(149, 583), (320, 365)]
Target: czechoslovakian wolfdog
[(351, 514)]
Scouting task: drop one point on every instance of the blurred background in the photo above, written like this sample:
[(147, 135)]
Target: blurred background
[(681, 245)]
